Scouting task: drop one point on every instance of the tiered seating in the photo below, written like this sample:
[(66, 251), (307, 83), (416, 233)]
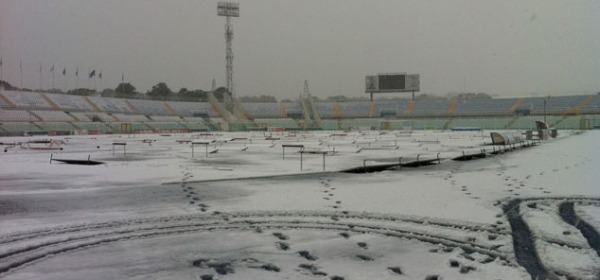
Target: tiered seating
[(293, 108), (286, 123), (385, 107), (193, 119), (324, 109), (166, 125), (554, 104), (116, 126), (431, 107), (165, 118), (593, 106), (69, 102), (560, 104), (26, 100), (196, 125), (14, 127), (92, 126), (56, 126), (111, 105), (188, 109), (354, 109), (535, 104), (150, 107), (82, 117), (4, 104), (131, 118), (428, 123), (15, 116), (263, 109), (101, 116), (53, 116), (360, 123), (329, 124), (484, 107)]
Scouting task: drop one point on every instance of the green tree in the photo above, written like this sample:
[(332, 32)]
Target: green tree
[(220, 93), (160, 90), (125, 90), (193, 95), (108, 92)]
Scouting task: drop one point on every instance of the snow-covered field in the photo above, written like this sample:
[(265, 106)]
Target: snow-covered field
[(241, 208)]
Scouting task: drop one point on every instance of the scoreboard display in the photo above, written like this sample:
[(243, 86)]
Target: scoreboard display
[(392, 83)]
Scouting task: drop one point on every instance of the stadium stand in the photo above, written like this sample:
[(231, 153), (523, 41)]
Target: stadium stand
[(26, 100), (81, 116), (53, 116), (150, 107), (101, 117), (430, 107), (293, 109), (18, 128), (190, 109), (475, 107), (286, 123), (15, 116), (93, 126), (33, 112), (110, 105), (592, 107), (263, 109), (5, 103), (165, 118), (69, 102), (56, 126), (324, 109), (131, 118), (354, 109), (388, 108)]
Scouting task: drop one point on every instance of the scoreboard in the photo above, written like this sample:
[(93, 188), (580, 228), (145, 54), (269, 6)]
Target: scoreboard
[(392, 83)]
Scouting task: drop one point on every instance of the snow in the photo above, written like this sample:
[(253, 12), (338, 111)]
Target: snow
[(154, 211)]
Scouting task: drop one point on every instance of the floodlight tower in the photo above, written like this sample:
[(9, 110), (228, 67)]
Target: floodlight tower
[(229, 10)]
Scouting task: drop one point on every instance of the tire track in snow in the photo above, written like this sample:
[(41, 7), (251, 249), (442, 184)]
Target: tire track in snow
[(523, 240), (30, 247), (567, 213)]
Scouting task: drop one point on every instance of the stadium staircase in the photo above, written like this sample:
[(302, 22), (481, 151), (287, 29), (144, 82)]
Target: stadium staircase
[(169, 108), (516, 105), (132, 108), (577, 109), (452, 106), (72, 116), (447, 124), (282, 110), (39, 119), (336, 111), (148, 125), (74, 125), (241, 111), (92, 104), (409, 108), (7, 102), (312, 119), (49, 101), (220, 108)]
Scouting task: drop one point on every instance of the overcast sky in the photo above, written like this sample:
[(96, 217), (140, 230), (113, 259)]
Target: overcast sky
[(504, 48)]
